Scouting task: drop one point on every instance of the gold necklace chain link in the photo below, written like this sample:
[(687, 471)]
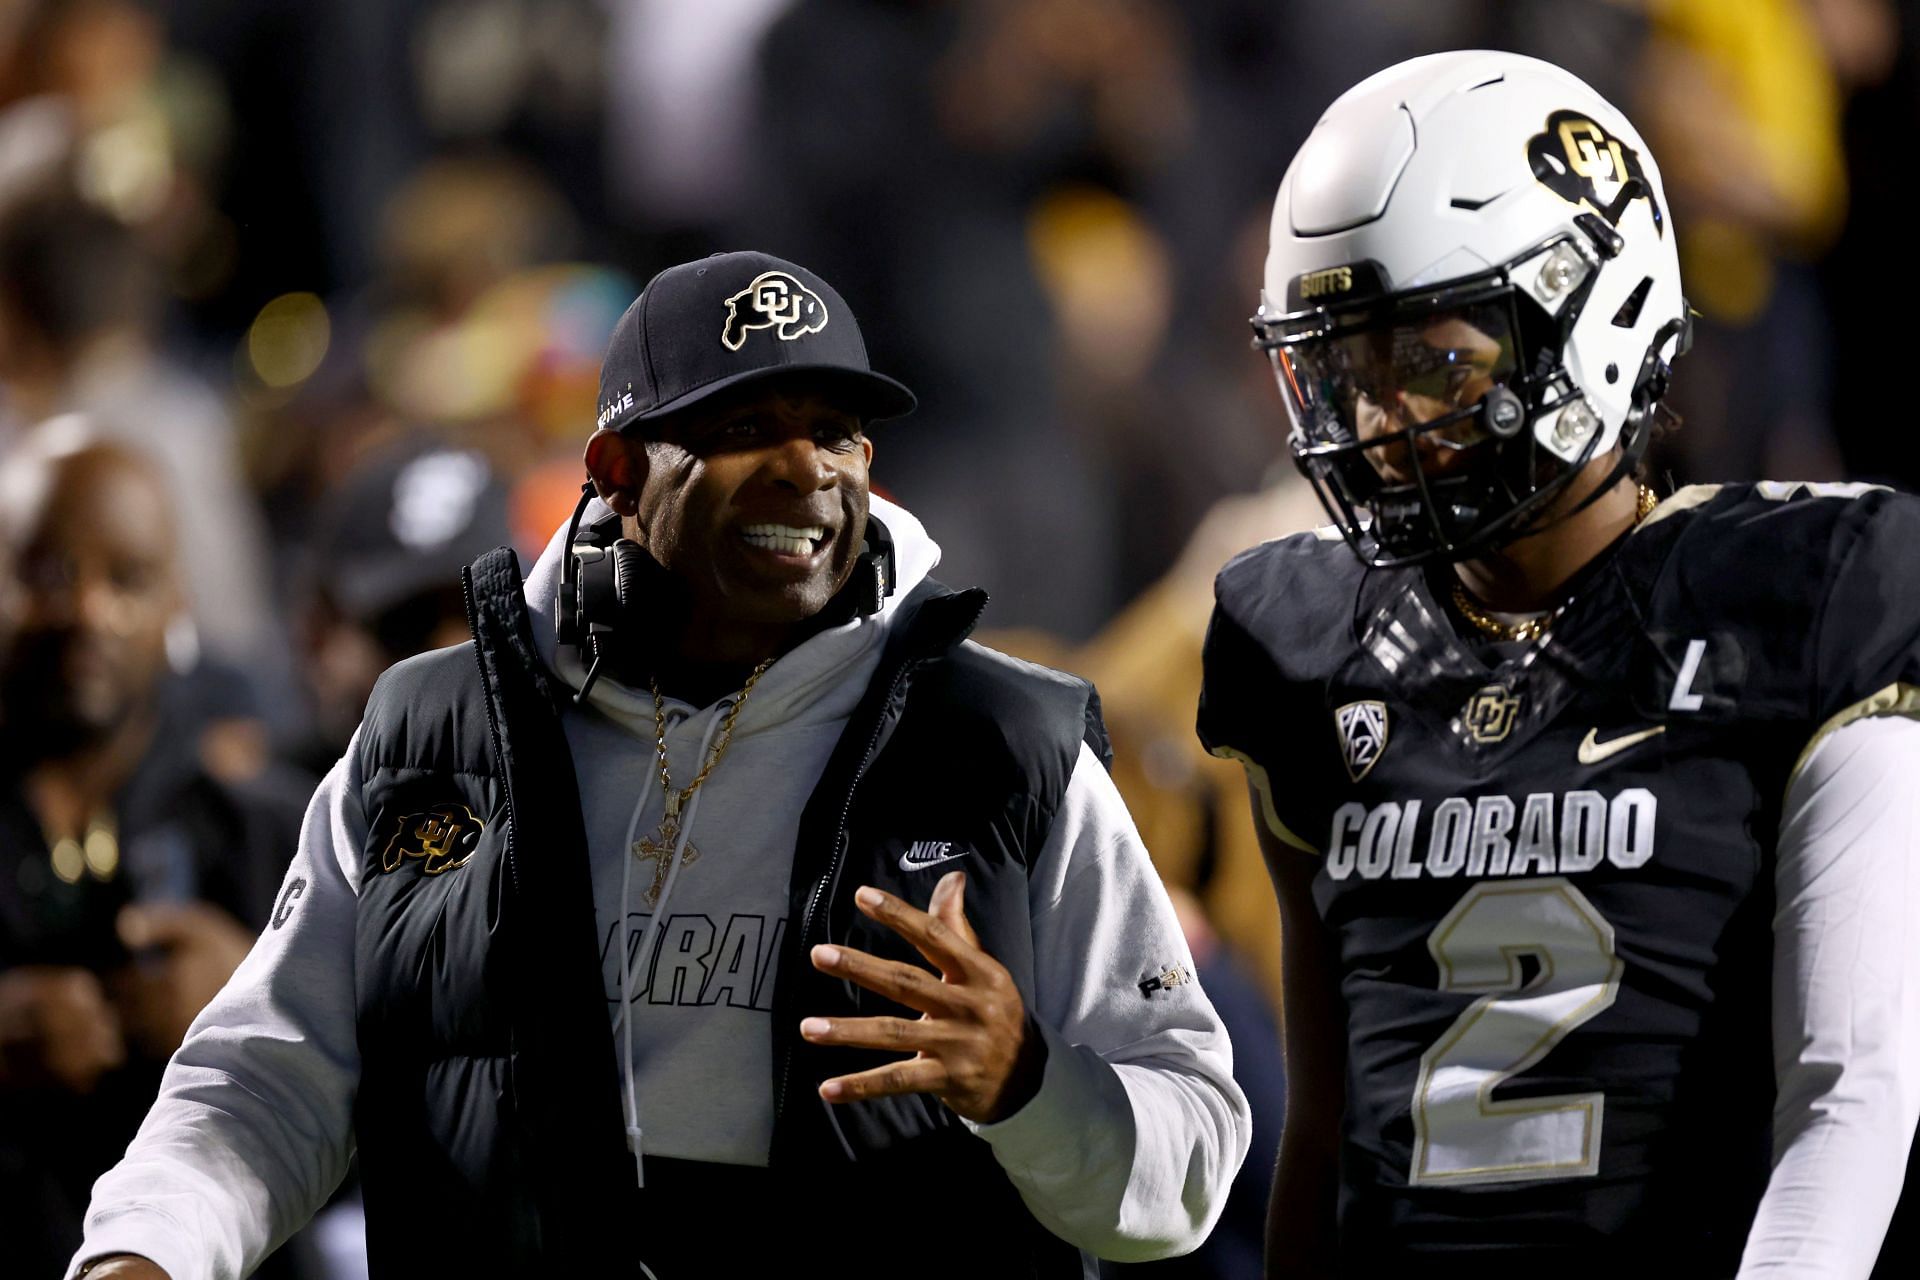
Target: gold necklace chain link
[(1532, 628), (675, 803)]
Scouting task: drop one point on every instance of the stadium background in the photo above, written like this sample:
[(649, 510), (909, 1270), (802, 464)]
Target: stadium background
[(345, 269)]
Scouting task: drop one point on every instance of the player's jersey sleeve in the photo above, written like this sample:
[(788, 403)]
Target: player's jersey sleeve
[(1867, 643), (1260, 703), (1846, 1004)]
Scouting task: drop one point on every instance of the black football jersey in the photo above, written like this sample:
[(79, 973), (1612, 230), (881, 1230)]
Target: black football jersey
[(1548, 868)]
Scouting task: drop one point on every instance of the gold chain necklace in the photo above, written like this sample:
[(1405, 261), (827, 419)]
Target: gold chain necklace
[(1533, 628), (658, 847)]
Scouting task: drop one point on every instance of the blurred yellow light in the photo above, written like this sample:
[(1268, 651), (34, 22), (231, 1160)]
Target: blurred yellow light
[(1108, 275), (69, 863), (102, 853), (289, 339)]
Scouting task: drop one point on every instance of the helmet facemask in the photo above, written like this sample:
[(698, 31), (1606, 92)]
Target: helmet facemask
[(1421, 416)]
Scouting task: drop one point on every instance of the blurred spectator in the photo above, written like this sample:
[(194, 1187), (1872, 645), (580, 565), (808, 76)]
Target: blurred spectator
[(1869, 273), (131, 877), (683, 94), (92, 94), (79, 332), (386, 564), (1742, 100), (914, 182)]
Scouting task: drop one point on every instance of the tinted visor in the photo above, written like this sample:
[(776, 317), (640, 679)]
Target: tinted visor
[(1399, 388)]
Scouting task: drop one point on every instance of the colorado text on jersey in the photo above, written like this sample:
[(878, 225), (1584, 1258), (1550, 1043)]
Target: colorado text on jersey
[(1491, 835)]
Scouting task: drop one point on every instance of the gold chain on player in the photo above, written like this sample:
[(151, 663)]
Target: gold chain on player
[(1533, 628)]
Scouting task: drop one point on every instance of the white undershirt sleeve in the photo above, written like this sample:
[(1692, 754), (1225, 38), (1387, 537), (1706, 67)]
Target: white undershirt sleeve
[(1128, 1148), (1846, 1004), (252, 1128)]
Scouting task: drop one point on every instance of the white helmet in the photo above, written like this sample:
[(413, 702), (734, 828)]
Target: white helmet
[(1471, 291)]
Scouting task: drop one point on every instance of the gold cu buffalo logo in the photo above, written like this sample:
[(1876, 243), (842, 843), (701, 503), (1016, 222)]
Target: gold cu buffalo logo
[(1582, 163), (443, 838), (1490, 714), (777, 301)]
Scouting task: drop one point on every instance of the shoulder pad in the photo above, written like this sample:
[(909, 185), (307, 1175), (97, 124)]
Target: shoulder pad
[(1797, 600), (1296, 598)]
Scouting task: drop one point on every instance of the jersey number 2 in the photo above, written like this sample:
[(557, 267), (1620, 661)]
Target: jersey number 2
[(1461, 1135)]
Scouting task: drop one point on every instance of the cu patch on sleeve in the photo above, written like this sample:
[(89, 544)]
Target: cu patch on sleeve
[(443, 838)]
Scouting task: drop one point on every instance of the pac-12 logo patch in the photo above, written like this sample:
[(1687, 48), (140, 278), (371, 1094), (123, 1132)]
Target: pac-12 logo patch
[(1363, 735), (443, 838), (1582, 163), (777, 301)]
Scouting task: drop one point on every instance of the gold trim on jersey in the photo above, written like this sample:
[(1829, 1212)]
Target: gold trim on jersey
[(1693, 495), (1897, 699), (1263, 787)]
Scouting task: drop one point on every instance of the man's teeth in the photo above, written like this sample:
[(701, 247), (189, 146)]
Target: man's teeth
[(785, 538)]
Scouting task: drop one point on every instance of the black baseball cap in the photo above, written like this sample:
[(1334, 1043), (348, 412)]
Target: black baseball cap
[(717, 323)]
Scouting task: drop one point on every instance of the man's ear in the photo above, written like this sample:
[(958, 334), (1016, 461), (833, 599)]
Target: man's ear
[(618, 465)]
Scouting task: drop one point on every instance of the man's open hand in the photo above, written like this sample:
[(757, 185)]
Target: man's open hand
[(972, 1046)]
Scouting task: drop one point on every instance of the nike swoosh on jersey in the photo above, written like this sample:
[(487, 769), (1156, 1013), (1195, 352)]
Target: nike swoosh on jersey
[(1593, 751)]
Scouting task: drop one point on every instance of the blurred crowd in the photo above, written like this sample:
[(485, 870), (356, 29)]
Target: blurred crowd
[(302, 305)]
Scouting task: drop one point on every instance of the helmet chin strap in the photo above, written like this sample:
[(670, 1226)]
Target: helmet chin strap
[(1633, 447)]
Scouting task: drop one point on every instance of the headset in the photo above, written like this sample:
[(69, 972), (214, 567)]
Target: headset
[(601, 577)]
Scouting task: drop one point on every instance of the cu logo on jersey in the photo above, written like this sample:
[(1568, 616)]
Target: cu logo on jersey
[(442, 838), (1582, 163), (777, 301), (1490, 714), (1363, 735)]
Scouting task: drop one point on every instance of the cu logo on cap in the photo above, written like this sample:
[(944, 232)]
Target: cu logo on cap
[(775, 300)]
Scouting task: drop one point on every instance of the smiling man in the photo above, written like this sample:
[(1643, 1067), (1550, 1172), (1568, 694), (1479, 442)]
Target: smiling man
[(885, 980)]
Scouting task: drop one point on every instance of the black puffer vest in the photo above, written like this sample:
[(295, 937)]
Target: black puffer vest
[(489, 1122)]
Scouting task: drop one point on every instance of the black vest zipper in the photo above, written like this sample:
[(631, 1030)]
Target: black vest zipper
[(488, 685), (833, 869), (784, 1042)]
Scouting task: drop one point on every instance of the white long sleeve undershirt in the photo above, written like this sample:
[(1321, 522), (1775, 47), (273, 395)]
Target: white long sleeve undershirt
[(1846, 1005)]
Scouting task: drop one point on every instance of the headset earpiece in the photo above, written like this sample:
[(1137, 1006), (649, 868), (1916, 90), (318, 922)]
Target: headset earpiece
[(628, 564), (570, 623)]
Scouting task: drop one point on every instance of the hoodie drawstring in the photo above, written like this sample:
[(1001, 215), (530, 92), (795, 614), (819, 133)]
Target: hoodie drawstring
[(623, 1022)]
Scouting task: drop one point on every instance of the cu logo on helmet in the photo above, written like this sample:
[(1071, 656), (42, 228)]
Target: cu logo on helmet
[(1583, 164), (777, 301)]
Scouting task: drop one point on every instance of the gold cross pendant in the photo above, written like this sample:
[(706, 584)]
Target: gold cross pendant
[(658, 849)]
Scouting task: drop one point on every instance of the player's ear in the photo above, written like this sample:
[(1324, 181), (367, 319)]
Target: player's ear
[(618, 465)]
